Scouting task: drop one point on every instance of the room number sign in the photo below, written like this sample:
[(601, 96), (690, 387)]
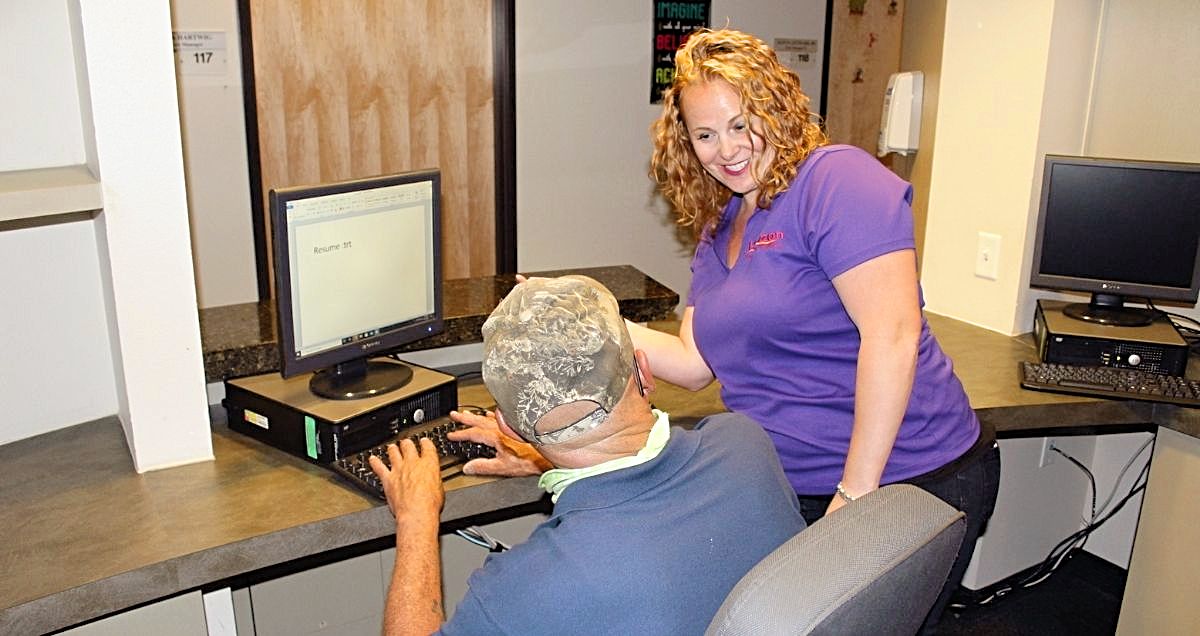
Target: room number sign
[(200, 52)]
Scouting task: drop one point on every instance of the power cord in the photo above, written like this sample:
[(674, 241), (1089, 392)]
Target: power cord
[(1076, 540), (476, 535), (1125, 469), (1190, 335)]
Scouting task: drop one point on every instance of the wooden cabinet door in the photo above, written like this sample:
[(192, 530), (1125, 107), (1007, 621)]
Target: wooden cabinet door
[(353, 88)]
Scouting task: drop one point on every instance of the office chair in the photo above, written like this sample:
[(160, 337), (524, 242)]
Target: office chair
[(874, 566)]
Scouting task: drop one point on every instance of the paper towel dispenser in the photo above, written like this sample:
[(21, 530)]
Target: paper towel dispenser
[(901, 125)]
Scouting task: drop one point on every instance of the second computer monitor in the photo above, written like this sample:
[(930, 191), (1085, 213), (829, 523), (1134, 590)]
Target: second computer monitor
[(1118, 228)]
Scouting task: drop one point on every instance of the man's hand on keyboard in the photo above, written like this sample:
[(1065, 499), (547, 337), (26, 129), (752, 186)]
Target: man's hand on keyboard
[(513, 458), (412, 483)]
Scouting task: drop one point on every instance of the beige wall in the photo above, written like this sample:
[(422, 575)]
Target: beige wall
[(213, 128), (993, 74), (1022, 79), (921, 50)]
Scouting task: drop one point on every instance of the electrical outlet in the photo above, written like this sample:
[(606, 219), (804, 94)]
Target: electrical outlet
[(987, 256), (1047, 456)]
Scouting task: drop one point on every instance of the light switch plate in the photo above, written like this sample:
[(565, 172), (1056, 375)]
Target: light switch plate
[(987, 256)]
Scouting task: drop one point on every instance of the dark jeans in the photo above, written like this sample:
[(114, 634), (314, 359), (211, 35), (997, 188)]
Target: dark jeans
[(970, 488)]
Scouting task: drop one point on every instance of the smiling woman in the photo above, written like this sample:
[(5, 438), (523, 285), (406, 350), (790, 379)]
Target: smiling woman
[(804, 300)]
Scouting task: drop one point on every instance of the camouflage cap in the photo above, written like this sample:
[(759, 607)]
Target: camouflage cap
[(552, 342)]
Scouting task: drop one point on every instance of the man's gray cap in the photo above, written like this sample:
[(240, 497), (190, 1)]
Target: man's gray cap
[(555, 341)]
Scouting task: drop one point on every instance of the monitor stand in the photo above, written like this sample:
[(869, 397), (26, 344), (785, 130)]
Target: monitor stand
[(1109, 309), (358, 379)]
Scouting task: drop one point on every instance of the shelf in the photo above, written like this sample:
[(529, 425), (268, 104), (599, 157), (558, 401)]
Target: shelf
[(26, 194)]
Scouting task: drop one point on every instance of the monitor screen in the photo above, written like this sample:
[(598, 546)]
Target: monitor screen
[(1116, 229), (357, 273)]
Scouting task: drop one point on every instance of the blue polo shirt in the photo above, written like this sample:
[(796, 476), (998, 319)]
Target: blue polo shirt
[(649, 549)]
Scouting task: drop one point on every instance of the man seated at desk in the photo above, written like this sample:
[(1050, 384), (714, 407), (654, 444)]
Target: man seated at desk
[(652, 525)]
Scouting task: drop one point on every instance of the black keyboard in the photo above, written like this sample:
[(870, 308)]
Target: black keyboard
[(1128, 384), (356, 469)]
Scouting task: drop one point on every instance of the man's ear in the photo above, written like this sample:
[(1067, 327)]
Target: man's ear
[(506, 429), (641, 366)]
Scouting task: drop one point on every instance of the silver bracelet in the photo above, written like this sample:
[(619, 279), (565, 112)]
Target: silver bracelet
[(841, 492)]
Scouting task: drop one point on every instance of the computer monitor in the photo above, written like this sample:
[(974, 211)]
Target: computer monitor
[(1118, 228), (358, 272)]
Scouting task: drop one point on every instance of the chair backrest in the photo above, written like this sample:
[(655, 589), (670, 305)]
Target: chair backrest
[(872, 567)]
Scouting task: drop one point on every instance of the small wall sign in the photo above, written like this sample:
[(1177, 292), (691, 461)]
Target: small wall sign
[(673, 23)]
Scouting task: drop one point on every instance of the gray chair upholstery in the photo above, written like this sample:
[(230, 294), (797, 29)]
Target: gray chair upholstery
[(872, 567)]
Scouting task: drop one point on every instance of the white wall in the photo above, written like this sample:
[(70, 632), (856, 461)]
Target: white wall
[(583, 118), (56, 368), (131, 111), (583, 112), (102, 312), (39, 118), (1145, 92)]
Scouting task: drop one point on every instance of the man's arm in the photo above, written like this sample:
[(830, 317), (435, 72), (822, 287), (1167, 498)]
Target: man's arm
[(413, 486)]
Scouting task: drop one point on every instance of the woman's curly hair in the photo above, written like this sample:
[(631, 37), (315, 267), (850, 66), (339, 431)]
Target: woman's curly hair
[(770, 94)]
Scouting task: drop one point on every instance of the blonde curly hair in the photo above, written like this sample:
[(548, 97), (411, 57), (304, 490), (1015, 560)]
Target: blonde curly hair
[(770, 93)]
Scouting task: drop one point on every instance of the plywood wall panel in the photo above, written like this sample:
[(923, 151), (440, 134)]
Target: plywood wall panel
[(355, 88), (864, 52)]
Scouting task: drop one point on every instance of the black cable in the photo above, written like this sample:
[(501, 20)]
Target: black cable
[(1169, 314), (1090, 476), (479, 537), (1189, 334), (475, 408), (1060, 550), (1064, 547), (1139, 486)]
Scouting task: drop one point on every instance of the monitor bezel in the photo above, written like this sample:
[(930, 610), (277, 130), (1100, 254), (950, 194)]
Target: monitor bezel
[(362, 350), (1096, 286)]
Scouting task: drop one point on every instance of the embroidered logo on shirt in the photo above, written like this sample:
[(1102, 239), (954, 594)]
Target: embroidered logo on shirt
[(764, 241)]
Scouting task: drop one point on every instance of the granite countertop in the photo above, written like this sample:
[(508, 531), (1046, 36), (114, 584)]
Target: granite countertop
[(240, 340)]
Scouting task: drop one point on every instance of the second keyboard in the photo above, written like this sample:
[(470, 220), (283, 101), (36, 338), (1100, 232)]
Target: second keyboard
[(1128, 384)]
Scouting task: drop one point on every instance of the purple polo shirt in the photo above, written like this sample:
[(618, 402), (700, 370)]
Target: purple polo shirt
[(779, 340)]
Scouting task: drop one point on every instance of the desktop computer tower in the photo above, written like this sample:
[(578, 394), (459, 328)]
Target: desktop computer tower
[(1157, 347), (284, 413)]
